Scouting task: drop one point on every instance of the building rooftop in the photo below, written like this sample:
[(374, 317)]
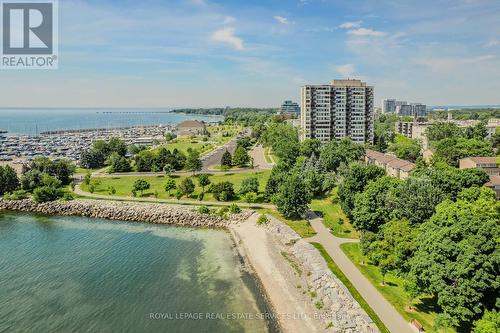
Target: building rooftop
[(494, 181), (191, 124), (349, 82), (483, 159)]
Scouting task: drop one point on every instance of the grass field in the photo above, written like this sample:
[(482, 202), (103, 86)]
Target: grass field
[(424, 308), (182, 144), (338, 273), (123, 185), (301, 227), (332, 213)]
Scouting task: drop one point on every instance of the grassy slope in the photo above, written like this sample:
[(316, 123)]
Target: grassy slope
[(123, 185), (336, 270), (301, 227), (393, 291), (331, 213)]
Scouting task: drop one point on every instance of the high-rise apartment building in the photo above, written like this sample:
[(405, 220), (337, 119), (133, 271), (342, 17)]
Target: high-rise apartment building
[(343, 108), (388, 105)]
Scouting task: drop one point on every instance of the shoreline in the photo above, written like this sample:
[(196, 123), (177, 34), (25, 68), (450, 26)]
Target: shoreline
[(297, 287)]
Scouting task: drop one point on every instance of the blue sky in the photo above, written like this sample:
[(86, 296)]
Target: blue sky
[(194, 53)]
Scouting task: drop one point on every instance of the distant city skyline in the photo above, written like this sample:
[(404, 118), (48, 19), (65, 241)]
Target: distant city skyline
[(202, 53)]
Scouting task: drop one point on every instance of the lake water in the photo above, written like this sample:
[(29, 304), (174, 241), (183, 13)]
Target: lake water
[(34, 121), (72, 274)]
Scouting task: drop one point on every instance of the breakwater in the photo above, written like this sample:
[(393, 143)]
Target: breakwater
[(126, 211)]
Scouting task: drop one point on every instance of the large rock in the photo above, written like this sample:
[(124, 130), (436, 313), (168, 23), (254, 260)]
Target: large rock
[(126, 211)]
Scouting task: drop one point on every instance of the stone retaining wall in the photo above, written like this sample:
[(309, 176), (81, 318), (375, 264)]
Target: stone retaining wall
[(339, 307), (126, 211)]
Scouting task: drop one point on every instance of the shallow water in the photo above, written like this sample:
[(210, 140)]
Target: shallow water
[(72, 274)]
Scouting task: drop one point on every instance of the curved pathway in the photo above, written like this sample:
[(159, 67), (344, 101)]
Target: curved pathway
[(259, 158), (385, 311)]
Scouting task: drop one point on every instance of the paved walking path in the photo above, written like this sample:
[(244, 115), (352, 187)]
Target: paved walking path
[(385, 311), (259, 158), (82, 193)]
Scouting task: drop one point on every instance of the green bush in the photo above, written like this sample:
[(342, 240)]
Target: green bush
[(234, 209), (250, 197), (68, 197), (262, 219), (47, 193), (204, 210), (223, 191), (16, 195)]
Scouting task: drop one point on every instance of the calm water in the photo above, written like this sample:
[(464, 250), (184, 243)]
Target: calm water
[(71, 274), (33, 121)]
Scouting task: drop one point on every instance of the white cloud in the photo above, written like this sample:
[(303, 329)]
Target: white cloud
[(228, 19), (449, 63), (351, 25), (345, 70), (493, 43), (226, 35), (281, 19), (366, 32)]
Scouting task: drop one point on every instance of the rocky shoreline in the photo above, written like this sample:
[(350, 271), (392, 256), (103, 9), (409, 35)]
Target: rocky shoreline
[(298, 280), (126, 211)]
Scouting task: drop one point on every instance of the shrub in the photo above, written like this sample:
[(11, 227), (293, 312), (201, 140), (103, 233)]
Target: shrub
[(234, 209), (203, 210), (223, 191), (47, 193), (249, 185), (16, 195), (250, 197), (262, 219), (68, 197), (201, 196)]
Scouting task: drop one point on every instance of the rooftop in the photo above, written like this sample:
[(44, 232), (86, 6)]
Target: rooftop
[(483, 159), (191, 124)]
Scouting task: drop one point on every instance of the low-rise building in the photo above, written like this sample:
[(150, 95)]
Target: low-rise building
[(490, 165), (191, 128), (394, 166)]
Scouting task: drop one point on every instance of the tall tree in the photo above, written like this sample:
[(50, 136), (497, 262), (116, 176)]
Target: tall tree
[(226, 160), (8, 179), (292, 198), (457, 258), (241, 157), (193, 162)]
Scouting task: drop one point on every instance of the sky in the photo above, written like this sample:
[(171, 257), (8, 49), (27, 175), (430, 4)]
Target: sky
[(209, 53)]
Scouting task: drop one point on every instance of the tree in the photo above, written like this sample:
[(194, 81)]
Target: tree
[(241, 157), (169, 185), (47, 193), (335, 153), (223, 191), (310, 147), (415, 199), (62, 169), (278, 175), (168, 169), (452, 150), (443, 130), (478, 131), (118, 163), (405, 148), (186, 187), (249, 185), (193, 162), (227, 160), (292, 198), (203, 180), (489, 323), (457, 255), (141, 185), (313, 174), (354, 178), (116, 145), (92, 159), (371, 207), (8, 179)]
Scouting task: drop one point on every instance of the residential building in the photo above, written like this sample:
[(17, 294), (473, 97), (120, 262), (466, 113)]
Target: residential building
[(290, 107), (388, 106), (394, 166), (411, 110), (490, 165), (191, 128), (343, 108)]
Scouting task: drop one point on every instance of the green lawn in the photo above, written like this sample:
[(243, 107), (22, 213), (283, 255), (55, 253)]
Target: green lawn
[(425, 307), (332, 213), (82, 171), (182, 144), (301, 227), (123, 185), (357, 296)]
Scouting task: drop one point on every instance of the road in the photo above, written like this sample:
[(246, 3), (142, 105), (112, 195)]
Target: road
[(258, 154), (385, 311), (214, 157)]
